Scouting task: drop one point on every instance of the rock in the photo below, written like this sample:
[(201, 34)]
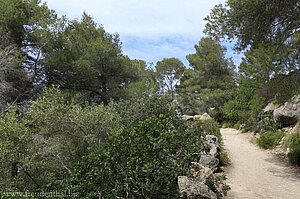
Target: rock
[(214, 145), (194, 189), (296, 128), (200, 172), (210, 162), (271, 107), (188, 118), (203, 117), (211, 158), (289, 113)]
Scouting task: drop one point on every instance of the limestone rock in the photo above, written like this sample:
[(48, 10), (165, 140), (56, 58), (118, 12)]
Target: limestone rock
[(271, 107), (202, 117), (289, 113), (210, 162), (194, 189), (200, 172), (296, 128), (188, 117), (214, 145)]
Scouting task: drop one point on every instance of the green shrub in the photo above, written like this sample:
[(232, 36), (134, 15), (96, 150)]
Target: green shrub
[(54, 135), (266, 123), (282, 87), (231, 110), (132, 111), (210, 127), (270, 139), (294, 155), (143, 161), (224, 158), (292, 142), (237, 126)]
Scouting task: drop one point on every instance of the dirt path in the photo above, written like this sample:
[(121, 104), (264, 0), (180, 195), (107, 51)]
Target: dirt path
[(254, 173)]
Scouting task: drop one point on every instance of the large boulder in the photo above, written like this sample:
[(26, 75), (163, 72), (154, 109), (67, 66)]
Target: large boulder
[(289, 113), (210, 162), (211, 158), (194, 189), (200, 172), (188, 117), (271, 107), (203, 117)]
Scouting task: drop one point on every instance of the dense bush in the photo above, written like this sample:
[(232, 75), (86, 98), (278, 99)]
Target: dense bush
[(292, 142), (270, 139), (53, 135), (143, 161), (207, 127), (266, 123), (132, 111), (281, 88)]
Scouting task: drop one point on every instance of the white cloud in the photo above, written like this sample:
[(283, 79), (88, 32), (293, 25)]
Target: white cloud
[(142, 17), (145, 22)]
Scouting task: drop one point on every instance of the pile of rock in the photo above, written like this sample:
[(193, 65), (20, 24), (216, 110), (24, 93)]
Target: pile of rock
[(203, 117), (289, 113), (204, 171)]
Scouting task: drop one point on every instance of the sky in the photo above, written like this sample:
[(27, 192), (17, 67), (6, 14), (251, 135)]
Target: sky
[(149, 29)]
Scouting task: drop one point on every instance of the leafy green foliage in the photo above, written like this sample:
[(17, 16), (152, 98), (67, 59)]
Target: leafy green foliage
[(224, 158), (294, 155), (292, 142), (54, 134), (206, 85), (270, 139), (210, 127), (14, 83), (169, 72), (26, 25), (146, 83), (141, 162), (267, 123), (144, 107), (16, 145), (281, 88), (254, 21), (85, 58)]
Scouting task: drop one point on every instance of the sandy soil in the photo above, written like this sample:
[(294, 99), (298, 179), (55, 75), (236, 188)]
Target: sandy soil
[(255, 173)]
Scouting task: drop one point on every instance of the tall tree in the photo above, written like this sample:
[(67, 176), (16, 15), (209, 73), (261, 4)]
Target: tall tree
[(83, 57), (146, 83), (14, 82), (26, 24), (252, 22), (269, 28), (206, 84), (169, 72)]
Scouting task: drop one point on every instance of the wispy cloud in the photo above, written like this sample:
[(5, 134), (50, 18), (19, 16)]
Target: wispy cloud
[(149, 30)]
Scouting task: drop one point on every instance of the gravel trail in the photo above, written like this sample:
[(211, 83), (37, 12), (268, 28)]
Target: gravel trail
[(255, 173)]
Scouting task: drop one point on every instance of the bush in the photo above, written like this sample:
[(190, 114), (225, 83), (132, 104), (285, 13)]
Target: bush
[(266, 123), (282, 87), (294, 155), (292, 142), (132, 111), (210, 127), (270, 139), (47, 142), (224, 158), (143, 161)]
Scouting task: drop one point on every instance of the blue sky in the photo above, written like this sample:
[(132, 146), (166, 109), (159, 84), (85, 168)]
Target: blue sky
[(149, 29)]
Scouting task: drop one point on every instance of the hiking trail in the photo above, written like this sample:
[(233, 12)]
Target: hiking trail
[(255, 173)]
